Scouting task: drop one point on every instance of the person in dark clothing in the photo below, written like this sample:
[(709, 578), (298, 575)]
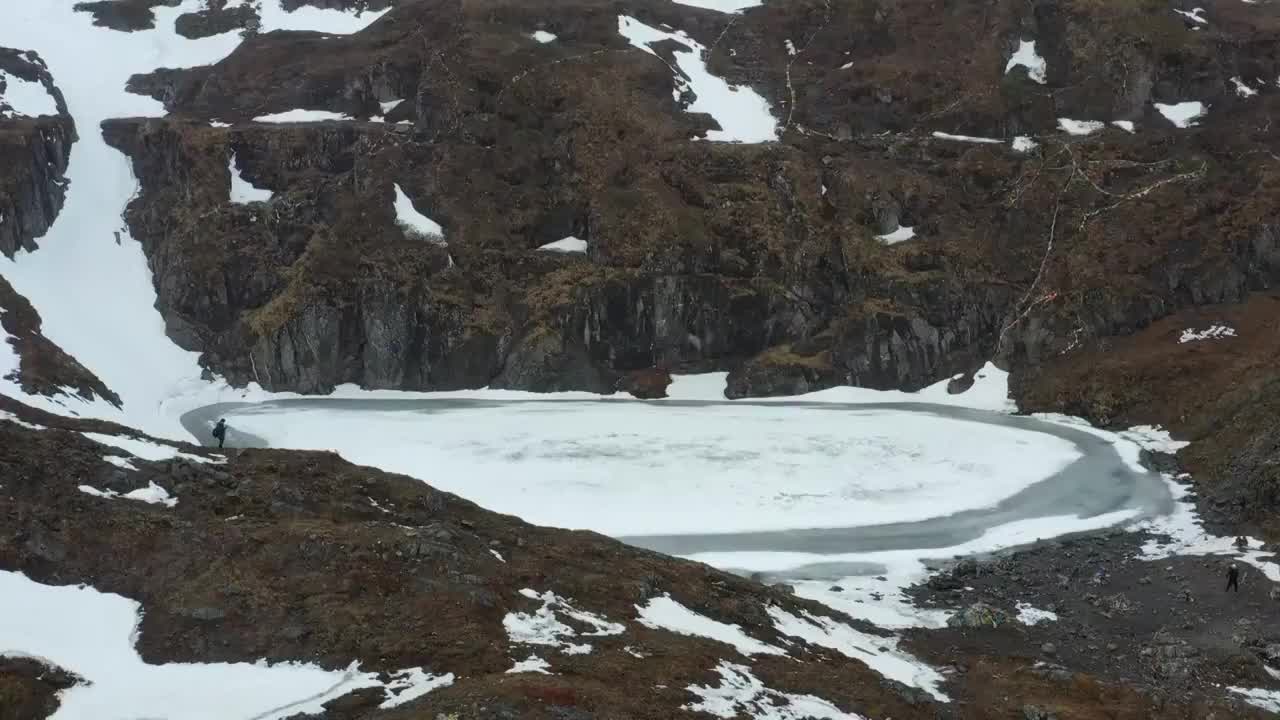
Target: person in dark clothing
[(220, 432), (1233, 578)]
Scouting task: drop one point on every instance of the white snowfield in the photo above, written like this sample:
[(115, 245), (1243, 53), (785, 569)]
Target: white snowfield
[(92, 634), (743, 115), (25, 98)]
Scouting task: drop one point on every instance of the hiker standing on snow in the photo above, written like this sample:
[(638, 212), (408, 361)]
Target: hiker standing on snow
[(220, 431), (1233, 577)]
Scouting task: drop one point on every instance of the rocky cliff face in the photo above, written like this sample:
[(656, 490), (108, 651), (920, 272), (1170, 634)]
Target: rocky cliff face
[(763, 259), (34, 150)]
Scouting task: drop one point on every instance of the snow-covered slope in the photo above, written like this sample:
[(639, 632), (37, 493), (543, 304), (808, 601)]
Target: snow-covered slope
[(90, 280)]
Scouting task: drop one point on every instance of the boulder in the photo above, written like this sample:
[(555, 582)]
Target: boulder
[(979, 616), (647, 384)]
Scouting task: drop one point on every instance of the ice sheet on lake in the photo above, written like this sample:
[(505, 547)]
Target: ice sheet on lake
[(614, 466)]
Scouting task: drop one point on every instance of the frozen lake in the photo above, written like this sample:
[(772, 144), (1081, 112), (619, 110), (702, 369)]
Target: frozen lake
[(715, 477)]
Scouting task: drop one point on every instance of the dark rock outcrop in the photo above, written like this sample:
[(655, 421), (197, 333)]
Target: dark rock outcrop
[(34, 152), (29, 688), (761, 259), (43, 367), (648, 384)]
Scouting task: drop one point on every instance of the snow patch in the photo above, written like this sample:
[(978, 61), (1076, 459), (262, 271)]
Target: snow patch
[(25, 98), (497, 555), (1268, 700), (146, 449), (410, 218), (743, 115), (724, 6), (967, 138), (1027, 57), (543, 36), (243, 191), (741, 694), (152, 494), (301, 116), (1196, 15), (1023, 144), (92, 634), (663, 613), (1028, 615), (1080, 127), (533, 664), (411, 684), (900, 234), (791, 47), (273, 16), (570, 244), (879, 653), (1183, 114), (10, 417), (1126, 125), (1213, 332), (542, 627), (1242, 89)]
